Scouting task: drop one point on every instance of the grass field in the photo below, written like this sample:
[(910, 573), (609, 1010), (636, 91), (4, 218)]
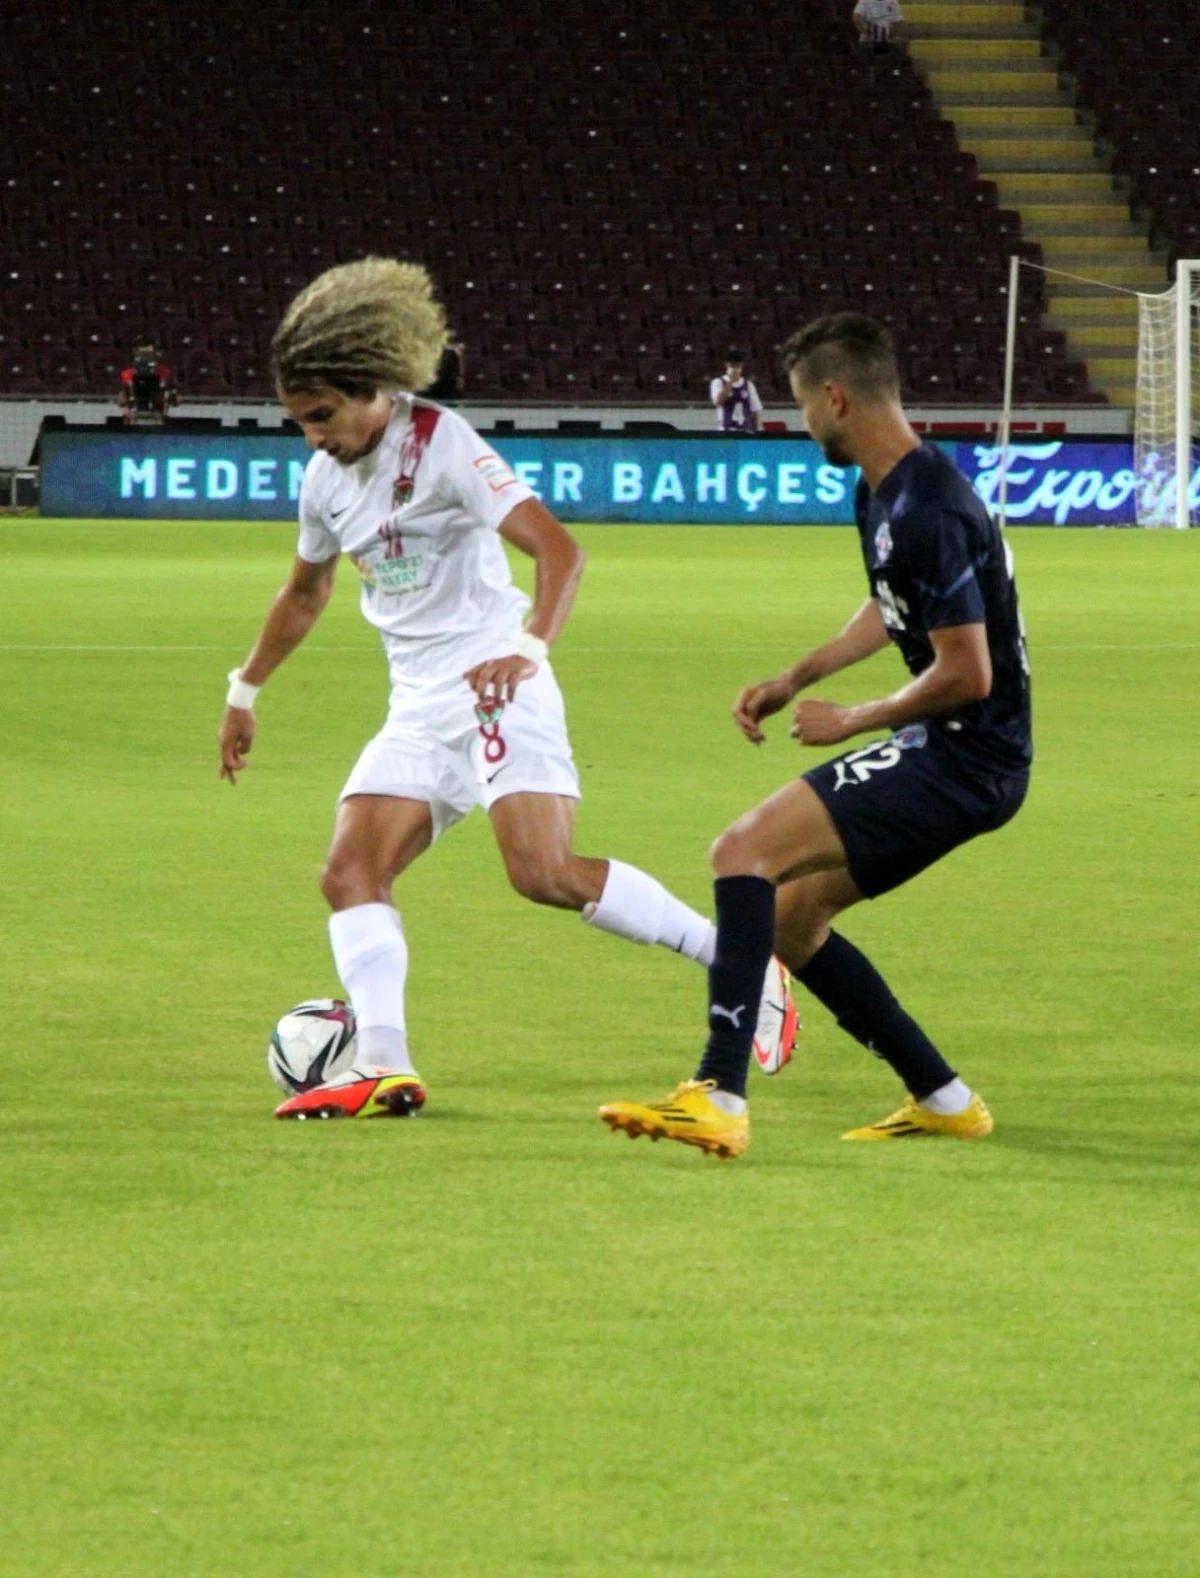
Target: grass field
[(498, 1340)]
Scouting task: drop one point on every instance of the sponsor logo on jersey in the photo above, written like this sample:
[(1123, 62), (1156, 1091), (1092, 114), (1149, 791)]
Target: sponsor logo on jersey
[(912, 738), (883, 543), (497, 473)]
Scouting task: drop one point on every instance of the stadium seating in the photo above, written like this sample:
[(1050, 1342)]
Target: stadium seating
[(610, 198), (1136, 68)]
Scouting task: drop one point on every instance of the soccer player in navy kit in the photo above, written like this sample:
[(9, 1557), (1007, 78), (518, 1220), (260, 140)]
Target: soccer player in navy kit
[(954, 764)]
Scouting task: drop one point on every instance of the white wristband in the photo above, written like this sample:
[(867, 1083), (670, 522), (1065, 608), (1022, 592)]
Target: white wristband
[(241, 694), (531, 647)]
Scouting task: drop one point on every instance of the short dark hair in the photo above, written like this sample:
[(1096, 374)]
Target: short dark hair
[(847, 347), (735, 358)]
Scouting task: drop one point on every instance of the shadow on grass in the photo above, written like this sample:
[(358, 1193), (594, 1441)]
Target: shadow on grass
[(1176, 1151)]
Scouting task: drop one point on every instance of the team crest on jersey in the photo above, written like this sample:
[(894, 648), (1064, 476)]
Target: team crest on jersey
[(883, 543), (489, 711), (912, 738)]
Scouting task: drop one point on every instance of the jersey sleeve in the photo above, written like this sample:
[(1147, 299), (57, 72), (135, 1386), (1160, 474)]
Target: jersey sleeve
[(938, 554), (317, 543), (756, 404), (474, 476)]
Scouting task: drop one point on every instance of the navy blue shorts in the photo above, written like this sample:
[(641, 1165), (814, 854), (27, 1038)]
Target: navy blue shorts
[(904, 802)]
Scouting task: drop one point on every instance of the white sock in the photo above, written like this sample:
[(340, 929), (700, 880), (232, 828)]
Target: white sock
[(725, 1102), (372, 962), (636, 907), (948, 1099)]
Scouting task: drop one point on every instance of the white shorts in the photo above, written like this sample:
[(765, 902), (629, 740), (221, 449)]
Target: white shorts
[(439, 746)]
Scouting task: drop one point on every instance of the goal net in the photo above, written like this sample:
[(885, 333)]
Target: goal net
[(1167, 416)]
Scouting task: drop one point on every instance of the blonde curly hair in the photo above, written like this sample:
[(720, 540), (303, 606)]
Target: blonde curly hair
[(361, 327)]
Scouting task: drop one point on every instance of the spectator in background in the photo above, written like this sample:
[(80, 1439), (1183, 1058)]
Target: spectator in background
[(447, 386), (735, 397), (879, 25), (148, 387)]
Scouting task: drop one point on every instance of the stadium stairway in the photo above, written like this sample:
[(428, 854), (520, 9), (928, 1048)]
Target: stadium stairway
[(991, 74)]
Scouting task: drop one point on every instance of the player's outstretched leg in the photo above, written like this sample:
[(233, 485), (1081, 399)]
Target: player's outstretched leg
[(535, 832), (635, 906)]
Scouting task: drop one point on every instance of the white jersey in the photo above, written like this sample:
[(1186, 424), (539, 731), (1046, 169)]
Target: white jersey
[(878, 17), (420, 517)]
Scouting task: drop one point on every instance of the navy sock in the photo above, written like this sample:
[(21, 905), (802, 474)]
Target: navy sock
[(745, 942), (853, 990)]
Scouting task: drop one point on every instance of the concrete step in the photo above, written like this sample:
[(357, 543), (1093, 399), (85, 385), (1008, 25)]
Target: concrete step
[(1107, 310), (1103, 339), (1070, 216), (1028, 71), (1010, 119), (995, 164), (1098, 244), (1049, 234), (1014, 96), (1129, 274), (1017, 187), (974, 51), (923, 12), (989, 86), (1005, 135), (991, 30), (1112, 369)]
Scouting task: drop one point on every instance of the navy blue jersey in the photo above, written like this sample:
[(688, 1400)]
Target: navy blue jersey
[(936, 558)]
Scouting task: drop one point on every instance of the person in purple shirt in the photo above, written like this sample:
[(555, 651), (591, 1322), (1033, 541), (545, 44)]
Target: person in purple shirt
[(735, 397), (950, 758)]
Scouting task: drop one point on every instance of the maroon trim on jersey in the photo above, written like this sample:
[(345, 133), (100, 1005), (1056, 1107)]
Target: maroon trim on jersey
[(415, 442)]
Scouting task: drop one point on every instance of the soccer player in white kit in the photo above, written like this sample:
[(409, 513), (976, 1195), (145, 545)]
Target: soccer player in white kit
[(419, 503)]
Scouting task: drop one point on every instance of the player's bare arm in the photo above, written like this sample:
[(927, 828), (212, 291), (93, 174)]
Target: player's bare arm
[(296, 609), (531, 528), (961, 672), (863, 636)]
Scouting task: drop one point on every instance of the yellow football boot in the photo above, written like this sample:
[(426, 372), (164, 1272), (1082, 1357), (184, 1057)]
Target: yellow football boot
[(687, 1115), (912, 1122)]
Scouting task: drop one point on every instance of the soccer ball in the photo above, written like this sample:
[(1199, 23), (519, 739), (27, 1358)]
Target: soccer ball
[(311, 1044)]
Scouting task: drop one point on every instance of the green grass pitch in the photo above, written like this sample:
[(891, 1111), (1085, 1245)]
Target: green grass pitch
[(498, 1340)]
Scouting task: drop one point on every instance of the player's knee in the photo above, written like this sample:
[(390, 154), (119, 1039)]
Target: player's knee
[(348, 880), (544, 881), (732, 854)]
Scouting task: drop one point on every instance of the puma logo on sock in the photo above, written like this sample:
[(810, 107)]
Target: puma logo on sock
[(728, 1013)]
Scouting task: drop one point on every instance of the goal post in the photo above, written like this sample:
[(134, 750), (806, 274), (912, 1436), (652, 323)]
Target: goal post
[(1167, 417)]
